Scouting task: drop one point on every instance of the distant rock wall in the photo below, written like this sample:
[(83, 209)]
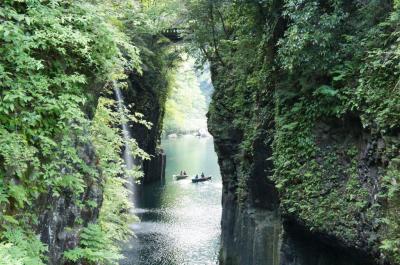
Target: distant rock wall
[(146, 94)]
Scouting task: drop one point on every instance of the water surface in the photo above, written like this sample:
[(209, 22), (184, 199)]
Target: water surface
[(180, 221)]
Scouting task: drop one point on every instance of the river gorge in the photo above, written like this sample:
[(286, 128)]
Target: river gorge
[(292, 106), (179, 220)]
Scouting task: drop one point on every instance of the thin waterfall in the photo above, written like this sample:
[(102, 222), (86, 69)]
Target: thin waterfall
[(129, 162)]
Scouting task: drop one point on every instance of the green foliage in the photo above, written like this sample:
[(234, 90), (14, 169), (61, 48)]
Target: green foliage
[(56, 58), (21, 249), (46, 64), (292, 73), (115, 214), (95, 247), (164, 14), (100, 243), (312, 35), (186, 104), (9, 255)]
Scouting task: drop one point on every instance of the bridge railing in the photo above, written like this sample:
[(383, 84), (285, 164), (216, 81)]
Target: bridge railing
[(174, 34)]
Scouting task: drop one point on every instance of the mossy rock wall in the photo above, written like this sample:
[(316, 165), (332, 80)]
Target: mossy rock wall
[(305, 120)]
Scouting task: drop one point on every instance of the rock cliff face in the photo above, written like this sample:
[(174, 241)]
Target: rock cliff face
[(254, 232), (62, 217), (309, 154), (298, 247), (61, 222), (251, 224), (145, 95)]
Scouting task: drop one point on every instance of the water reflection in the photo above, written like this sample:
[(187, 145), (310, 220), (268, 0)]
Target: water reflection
[(180, 220)]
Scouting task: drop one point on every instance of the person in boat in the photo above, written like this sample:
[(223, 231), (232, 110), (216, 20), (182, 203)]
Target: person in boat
[(184, 173), (202, 175), (181, 173), (197, 176)]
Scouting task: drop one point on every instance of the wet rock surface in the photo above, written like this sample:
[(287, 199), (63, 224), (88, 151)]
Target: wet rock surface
[(145, 95), (253, 229), (61, 217), (300, 247), (255, 233)]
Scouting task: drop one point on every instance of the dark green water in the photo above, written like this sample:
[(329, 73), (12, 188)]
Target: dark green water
[(180, 221)]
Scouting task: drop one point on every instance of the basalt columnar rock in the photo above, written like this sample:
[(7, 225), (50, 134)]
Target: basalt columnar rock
[(146, 94), (309, 156), (254, 228)]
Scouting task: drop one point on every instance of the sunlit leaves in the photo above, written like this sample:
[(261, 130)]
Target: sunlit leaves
[(54, 56), (22, 249), (95, 247), (186, 104), (312, 35)]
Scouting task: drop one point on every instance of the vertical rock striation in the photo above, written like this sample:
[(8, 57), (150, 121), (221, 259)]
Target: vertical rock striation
[(146, 94), (251, 222), (305, 128), (254, 231)]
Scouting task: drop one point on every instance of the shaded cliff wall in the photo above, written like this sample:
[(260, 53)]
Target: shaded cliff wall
[(251, 224), (62, 217), (143, 95), (253, 228), (306, 153), (146, 94)]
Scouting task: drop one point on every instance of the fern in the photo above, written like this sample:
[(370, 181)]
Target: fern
[(95, 247), (21, 248), (10, 255)]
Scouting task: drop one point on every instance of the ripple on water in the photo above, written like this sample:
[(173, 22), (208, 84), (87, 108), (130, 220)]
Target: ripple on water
[(180, 221)]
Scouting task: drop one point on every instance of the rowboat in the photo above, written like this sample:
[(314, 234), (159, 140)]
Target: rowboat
[(179, 177), (201, 179)]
